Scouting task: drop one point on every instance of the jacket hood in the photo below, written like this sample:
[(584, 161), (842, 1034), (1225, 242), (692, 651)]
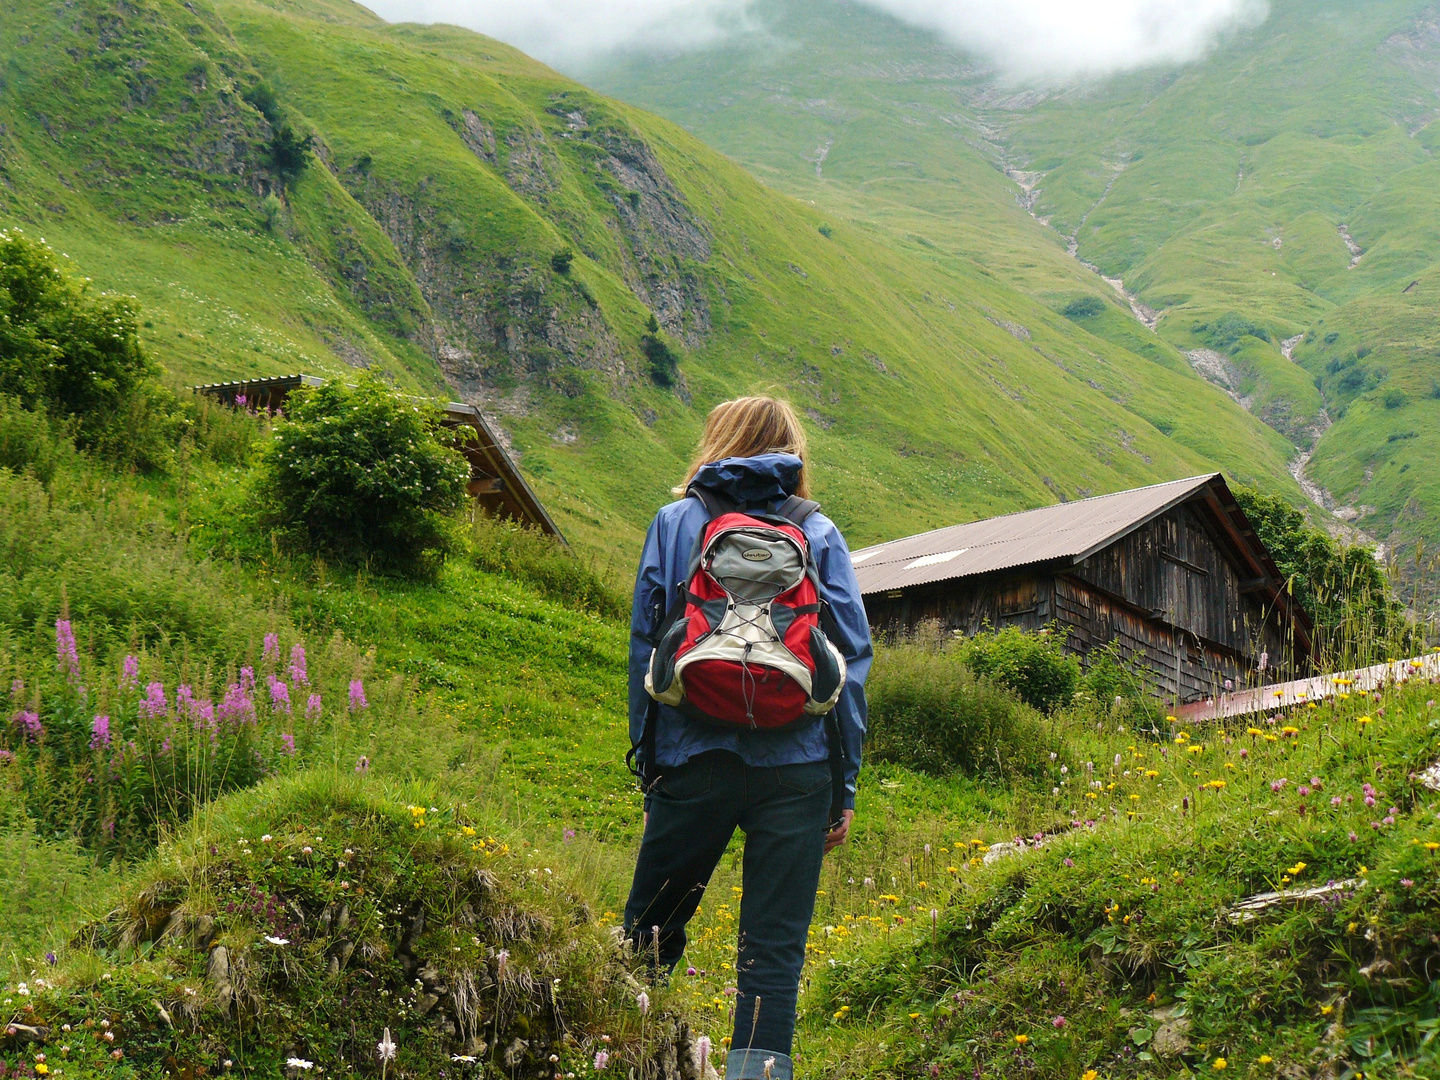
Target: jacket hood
[(752, 481)]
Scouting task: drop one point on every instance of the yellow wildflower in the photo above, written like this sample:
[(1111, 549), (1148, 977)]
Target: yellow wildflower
[(1264, 1059), (1021, 1040), (1220, 1063)]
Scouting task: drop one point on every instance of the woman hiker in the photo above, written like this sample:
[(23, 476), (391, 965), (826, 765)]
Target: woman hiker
[(749, 649)]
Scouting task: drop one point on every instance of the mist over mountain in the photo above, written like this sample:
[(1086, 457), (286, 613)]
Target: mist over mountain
[(1046, 41)]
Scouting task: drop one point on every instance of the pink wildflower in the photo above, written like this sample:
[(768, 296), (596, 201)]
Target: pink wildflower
[(271, 651), (130, 673), (99, 732), (279, 696), (153, 705), (298, 672), (236, 708), (66, 654), (357, 696), (602, 1059), (29, 724), (289, 741), (312, 707)]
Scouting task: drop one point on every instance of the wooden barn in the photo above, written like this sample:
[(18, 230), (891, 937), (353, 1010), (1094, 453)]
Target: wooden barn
[(495, 480), (1173, 574)]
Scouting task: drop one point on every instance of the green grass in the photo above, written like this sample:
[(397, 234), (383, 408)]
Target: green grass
[(505, 712)]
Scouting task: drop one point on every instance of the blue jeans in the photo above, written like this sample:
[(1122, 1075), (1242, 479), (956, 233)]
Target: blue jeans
[(694, 811)]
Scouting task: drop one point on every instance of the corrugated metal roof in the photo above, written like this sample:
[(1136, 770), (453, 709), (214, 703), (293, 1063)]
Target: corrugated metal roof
[(1067, 531)]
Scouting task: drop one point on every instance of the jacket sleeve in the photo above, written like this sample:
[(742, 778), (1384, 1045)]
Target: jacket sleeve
[(646, 613), (842, 593)]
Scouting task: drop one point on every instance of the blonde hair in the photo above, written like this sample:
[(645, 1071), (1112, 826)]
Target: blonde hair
[(749, 426)]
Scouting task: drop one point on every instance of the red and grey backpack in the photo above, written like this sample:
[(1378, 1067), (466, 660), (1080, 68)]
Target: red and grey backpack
[(744, 642)]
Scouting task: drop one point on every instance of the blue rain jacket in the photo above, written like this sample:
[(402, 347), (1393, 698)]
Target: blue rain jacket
[(761, 482)]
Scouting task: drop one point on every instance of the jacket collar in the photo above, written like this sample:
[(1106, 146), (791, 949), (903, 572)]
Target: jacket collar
[(751, 481)]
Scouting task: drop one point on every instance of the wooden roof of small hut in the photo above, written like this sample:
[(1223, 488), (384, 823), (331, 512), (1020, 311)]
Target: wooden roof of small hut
[(495, 480)]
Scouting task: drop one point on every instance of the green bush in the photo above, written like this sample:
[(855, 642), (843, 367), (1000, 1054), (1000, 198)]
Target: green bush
[(1226, 332), (526, 554), (930, 712), (29, 444), (361, 475), (1083, 307), (1034, 665), (1357, 618), (79, 357)]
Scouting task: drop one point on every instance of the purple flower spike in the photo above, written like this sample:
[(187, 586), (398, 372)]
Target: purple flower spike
[(153, 705), (362, 765), (130, 673), (247, 680), (289, 741), (65, 652), (99, 732), (29, 724), (272, 647), (279, 696), (237, 707), (298, 673), (357, 696), (312, 707)]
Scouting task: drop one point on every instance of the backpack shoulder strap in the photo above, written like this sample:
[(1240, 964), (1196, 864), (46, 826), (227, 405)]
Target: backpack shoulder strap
[(715, 504), (796, 510)]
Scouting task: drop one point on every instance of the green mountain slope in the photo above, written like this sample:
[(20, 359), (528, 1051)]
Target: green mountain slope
[(427, 238), (1288, 182)]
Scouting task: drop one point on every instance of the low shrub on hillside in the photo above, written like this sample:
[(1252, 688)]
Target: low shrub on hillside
[(29, 443), (1034, 665), (931, 712), (526, 554), (1357, 618), (109, 756), (361, 475), (79, 357), (1083, 307), (1228, 331), (323, 925)]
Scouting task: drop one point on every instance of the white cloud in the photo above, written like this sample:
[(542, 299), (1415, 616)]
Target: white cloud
[(1058, 40), (566, 32), (1039, 40)]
